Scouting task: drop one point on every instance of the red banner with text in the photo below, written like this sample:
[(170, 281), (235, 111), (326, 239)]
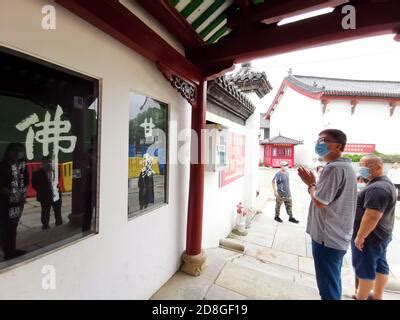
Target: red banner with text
[(235, 155)]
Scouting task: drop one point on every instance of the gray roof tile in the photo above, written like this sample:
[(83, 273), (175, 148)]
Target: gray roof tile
[(281, 140), (347, 87)]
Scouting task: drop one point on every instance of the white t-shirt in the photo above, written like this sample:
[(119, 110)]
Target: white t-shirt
[(394, 175)]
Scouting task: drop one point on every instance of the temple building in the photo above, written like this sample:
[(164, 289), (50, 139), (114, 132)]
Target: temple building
[(305, 105), (126, 140)]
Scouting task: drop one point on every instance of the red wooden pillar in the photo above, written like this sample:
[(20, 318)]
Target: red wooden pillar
[(194, 258)]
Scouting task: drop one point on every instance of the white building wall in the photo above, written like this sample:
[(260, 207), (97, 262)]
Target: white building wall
[(253, 150), (298, 117), (370, 123), (220, 203), (127, 259)]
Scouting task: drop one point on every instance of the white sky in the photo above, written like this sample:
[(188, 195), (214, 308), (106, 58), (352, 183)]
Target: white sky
[(374, 58)]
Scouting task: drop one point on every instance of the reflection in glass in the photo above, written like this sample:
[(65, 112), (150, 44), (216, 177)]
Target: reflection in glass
[(48, 145), (147, 173)]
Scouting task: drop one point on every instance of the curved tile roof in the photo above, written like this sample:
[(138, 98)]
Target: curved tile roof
[(281, 140), (347, 87), (247, 79), (235, 92)]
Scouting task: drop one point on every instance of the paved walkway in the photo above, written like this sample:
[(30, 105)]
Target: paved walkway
[(275, 264)]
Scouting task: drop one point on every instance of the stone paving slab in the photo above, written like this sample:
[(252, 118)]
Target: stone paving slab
[(258, 238), (306, 279), (219, 293), (291, 240), (274, 256), (267, 267), (306, 265), (267, 228), (183, 287), (258, 285)]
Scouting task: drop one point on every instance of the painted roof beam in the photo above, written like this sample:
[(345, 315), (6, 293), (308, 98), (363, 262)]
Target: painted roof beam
[(372, 19), (172, 21), (273, 11)]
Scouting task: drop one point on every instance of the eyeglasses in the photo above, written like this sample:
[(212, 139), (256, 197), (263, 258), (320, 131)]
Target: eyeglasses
[(326, 140)]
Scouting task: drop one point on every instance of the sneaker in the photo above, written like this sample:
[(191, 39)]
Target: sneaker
[(293, 220), (278, 219)]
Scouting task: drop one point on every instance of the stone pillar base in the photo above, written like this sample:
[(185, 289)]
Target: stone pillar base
[(194, 265)]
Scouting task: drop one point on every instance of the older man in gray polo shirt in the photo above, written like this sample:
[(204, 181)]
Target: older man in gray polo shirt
[(332, 211)]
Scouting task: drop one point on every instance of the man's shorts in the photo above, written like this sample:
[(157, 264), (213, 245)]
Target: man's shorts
[(372, 259)]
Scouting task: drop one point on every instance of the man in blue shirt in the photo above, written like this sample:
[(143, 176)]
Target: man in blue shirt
[(373, 227), (280, 185)]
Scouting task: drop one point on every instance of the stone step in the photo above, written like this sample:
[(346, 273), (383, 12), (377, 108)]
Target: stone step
[(254, 284)]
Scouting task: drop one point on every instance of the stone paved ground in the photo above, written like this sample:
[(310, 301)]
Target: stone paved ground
[(31, 237), (275, 264)]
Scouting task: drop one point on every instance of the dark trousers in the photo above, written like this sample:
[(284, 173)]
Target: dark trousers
[(46, 207), (8, 237), (328, 265)]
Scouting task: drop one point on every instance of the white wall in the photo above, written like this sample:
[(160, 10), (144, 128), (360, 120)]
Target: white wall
[(127, 259), (298, 117), (252, 151), (220, 203), (370, 123)]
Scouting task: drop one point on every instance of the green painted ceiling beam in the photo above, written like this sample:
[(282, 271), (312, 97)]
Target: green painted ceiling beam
[(174, 2), (191, 7), (213, 25), (217, 34), (207, 13)]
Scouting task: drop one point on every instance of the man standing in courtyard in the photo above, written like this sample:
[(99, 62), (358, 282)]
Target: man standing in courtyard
[(373, 229), (280, 185), (331, 212)]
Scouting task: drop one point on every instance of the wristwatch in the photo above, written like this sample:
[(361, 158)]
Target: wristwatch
[(310, 186)]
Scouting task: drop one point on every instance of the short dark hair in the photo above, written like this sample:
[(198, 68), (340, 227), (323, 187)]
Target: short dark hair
[(337, 135)]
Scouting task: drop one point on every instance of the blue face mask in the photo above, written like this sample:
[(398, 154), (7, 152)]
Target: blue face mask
[(364, 172), (321, 149), (360, 186)]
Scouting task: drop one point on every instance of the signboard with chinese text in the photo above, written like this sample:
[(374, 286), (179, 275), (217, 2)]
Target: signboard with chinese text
[(236, 154), (276, 162), (362, 148)]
